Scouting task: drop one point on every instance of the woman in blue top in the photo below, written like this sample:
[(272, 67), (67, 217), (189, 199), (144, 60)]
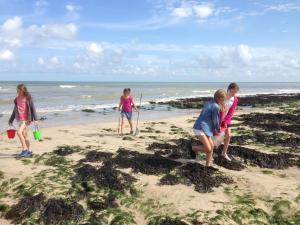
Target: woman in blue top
[(208, 124)]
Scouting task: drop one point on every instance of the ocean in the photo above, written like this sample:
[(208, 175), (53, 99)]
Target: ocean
[(63, 102)]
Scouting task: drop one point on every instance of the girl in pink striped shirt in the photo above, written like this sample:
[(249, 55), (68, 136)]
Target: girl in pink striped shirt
[(24, 112), (226, 116)]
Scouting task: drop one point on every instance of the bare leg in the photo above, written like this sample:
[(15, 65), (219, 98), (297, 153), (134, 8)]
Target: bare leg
[(209, 158), (122, 125), (205, 147), (226, 140), (21, 137), (25, 135), (130, 124), (119, 125)]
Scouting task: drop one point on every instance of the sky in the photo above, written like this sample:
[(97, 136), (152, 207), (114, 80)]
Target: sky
[(150, 40)]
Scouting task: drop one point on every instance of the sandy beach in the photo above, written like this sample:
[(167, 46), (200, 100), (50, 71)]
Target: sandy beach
[(229, 195), (208, 91)]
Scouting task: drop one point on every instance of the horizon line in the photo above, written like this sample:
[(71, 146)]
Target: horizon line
[(2, 81)]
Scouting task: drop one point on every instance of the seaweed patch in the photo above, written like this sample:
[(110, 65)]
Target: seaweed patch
[(288, 122), (96, 156), (65, 150), (107, 176), (25, 208), (263, 160), (204, 178), (59, 211), (144, 163)]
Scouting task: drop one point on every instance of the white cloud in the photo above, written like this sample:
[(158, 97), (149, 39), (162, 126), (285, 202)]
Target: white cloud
[(14, 35), (203, 10), (10, 42), (54, 61), (6, 55), (72, 8), (244, 53), (60, 31), (40, 61), (191, 9), (40, 7), (50, 63), (10, 32), (12, 25), (182, 12), (283, 7), (77, 65), (41, 3), (95, 48)]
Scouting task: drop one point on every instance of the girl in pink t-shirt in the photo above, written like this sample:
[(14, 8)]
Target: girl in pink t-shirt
[(125, 105), (230, 107), (24, 112)]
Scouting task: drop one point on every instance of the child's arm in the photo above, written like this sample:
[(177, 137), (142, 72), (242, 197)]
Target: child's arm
[(33, 111), (13, 115), (216, 118), (227, 119), (120, 104), (133, 104)]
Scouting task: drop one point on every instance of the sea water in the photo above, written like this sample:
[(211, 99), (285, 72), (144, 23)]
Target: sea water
[(63, 102)]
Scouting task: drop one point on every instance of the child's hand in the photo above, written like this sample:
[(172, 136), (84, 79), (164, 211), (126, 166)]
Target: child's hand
[(217, 133), (223, 124)]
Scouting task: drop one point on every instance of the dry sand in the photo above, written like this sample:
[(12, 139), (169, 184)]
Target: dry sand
[(179, 198)]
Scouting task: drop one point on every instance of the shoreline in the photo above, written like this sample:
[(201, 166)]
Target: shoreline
[(156, 110)]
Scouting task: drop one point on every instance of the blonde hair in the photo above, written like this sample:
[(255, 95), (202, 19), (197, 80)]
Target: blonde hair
[(23, 89), (219, 97)]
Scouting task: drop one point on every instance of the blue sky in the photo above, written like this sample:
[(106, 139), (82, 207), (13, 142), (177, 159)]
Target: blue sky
[(150, 40)]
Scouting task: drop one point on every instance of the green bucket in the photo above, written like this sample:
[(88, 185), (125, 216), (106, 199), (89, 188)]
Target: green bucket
[(37, 134)]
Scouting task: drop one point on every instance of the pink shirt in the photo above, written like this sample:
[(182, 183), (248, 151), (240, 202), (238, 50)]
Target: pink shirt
[(228, 105), (22, 109), (226, 119), (126, 103)]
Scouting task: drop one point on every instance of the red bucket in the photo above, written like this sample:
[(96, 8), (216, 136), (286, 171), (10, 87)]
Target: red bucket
[(11, 133)]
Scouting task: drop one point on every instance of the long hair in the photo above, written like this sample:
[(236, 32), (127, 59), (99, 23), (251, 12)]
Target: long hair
[(219, 97), (23, 89)]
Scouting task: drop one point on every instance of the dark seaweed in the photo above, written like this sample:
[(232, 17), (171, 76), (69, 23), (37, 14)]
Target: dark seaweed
[(144, 163), (25, 207), (273, 139), (58, 211), (204, 178), (66, 150), (169, 179), (253, 101), (107, 202), (231, 165), (105, 177), (289, 122), (179, 150), (95, 156), (96, 220), (108, 176), (171, 221), (263, 160)]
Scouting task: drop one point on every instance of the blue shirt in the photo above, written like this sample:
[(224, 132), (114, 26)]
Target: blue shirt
[(209, 119)]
